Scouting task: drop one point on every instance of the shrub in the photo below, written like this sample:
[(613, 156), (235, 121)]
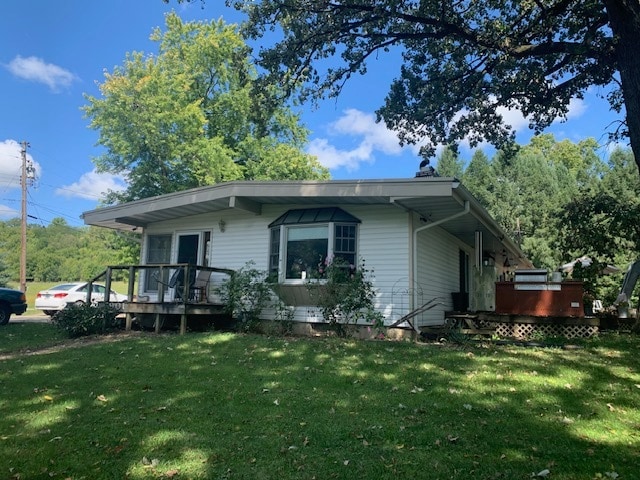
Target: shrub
[(80, 319), (245, 296), (346, 297)]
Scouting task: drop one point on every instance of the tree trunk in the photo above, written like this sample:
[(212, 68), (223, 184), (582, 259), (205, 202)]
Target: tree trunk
[(624, 19)]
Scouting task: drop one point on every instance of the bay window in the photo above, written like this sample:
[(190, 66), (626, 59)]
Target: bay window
[(303, 242)]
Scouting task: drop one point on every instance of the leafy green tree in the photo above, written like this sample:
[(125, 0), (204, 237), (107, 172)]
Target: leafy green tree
[(478, 177), (526, 192), (463, 61), (190, 116), (4, 277), (59, 252), (11, 246), (603, 222), (449, 163)]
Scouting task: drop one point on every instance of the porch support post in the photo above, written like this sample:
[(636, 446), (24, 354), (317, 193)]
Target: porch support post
[(183, 323), (130, 294), (157, 322)]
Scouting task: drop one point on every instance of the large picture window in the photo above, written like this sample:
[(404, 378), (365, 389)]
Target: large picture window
[(307, 250), (303, 242)]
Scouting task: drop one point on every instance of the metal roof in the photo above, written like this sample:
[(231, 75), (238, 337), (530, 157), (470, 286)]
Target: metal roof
[(314, 215), (433, 199)]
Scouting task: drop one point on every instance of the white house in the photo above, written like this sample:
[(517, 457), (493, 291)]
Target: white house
[(422, 237)]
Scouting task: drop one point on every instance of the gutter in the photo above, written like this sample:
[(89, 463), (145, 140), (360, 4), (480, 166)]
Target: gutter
[(414, 250)]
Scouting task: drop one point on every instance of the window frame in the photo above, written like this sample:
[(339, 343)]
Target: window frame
[(166, 239), (279, 246)]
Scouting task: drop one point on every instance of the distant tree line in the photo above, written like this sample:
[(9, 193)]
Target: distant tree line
[(60, 252)]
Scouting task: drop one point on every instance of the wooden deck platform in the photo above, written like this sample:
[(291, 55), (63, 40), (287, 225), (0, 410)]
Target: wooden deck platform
[(155, 313), (514, 326)]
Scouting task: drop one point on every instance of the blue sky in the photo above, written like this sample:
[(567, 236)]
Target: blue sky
[(54, 51)]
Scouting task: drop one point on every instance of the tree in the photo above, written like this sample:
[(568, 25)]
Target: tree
[(526, 193), (478, 178), (4, 277), (449, 164), (464, 62), (603, 222), (190, 116)]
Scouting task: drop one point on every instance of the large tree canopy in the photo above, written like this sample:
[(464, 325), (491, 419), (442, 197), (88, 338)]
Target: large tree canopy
[(465, 61), (190, 116)]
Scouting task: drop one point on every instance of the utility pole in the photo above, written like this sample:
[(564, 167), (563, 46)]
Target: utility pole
[(27, 174)]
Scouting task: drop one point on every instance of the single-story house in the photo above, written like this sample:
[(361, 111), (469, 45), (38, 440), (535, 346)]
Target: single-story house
[(422, 238)]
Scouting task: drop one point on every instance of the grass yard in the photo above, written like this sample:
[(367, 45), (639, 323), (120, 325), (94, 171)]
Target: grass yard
[(225, 406)]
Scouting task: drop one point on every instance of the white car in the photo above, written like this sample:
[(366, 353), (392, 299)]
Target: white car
[(56, 298)]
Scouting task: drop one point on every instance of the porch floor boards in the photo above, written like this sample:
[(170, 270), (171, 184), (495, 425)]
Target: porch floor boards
[(160, 310)]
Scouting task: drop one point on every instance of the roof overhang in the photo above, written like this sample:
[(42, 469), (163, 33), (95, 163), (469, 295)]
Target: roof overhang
[(433, 199)]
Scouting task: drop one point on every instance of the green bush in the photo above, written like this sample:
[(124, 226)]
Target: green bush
[(245, 296), (346, 297), (80, 319)]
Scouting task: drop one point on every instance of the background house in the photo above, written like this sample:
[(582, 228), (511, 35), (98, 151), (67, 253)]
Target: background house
[(422, 238)]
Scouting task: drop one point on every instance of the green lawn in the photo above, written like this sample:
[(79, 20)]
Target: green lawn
[(224, 406)]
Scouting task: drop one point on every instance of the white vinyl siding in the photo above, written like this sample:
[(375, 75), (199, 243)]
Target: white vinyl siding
[(383, 242), (438, 273)]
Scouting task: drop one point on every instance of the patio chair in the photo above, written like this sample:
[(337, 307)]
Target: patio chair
[(200, 287)]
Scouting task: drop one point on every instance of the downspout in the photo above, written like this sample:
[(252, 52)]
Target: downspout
[(414, 253)]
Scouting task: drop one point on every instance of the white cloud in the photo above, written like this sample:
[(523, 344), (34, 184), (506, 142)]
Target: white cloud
[(92, 186), (37, 70), (11, 164), (7, 212), (370, 137), (577, 108)]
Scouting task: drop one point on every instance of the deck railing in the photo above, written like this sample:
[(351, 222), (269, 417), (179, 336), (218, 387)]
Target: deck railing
[(164, 272)]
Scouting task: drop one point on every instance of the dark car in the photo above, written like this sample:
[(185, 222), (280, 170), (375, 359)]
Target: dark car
[(11, 301)]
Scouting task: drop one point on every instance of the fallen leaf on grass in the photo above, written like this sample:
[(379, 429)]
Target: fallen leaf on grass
[(541, 474), (150, 463), (48, 398)]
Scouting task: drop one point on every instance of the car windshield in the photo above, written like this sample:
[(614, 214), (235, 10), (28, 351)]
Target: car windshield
[(64, 286)]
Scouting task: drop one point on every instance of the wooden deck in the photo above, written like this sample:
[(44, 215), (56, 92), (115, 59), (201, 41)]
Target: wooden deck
[(514, 326), (155, 311), (155, 314)]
